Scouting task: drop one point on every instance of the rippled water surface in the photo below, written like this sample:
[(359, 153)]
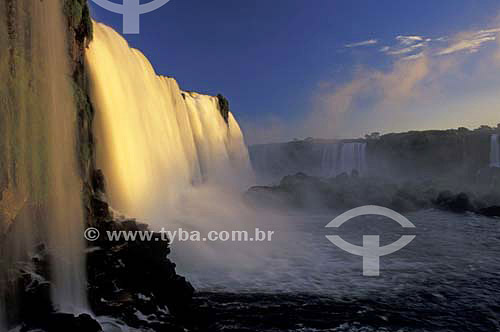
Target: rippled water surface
[(447, 279)]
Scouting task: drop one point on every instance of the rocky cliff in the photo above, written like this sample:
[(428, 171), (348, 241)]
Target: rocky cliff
[(429, 154), (411, 155)]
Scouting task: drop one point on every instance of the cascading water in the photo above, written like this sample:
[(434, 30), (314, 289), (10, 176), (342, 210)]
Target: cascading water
[(156, 142), (343, 157), (495, 151), (40, 189), (330, 158), (352, 158)]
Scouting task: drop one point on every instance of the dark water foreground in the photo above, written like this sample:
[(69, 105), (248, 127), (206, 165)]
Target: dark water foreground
[(447, 279), (418, 311)]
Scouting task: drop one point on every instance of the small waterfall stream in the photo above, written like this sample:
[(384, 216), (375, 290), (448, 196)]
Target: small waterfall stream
[(495, 151)]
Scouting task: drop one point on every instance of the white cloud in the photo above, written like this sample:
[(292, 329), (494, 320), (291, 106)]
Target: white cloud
[(406, 45), (406, 50), (418, 90), (409, 40), (470, 41), (413, 56), (363, 43), (489, 31)]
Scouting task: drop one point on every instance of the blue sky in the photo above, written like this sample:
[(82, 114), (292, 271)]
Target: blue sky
[(326, 68)]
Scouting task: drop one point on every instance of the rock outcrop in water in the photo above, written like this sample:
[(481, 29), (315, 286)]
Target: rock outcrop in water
[(343, 192)]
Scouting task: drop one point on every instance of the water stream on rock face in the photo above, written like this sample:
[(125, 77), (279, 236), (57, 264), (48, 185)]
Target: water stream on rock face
[(495, 151), (40, 189)]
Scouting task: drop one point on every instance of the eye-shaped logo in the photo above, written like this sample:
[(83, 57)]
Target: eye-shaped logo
[(371, 249), (131, 11)]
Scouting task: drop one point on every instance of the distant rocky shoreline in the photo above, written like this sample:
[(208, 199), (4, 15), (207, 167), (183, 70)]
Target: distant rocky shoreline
[(301, 191)]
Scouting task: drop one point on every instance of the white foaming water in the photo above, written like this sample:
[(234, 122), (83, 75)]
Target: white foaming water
[(156, 143), (495, 151)]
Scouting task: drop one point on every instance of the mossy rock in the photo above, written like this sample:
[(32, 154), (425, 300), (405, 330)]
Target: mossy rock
[(78, 14)]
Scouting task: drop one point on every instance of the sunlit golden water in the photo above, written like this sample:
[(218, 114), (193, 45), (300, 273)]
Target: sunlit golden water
[(156, 142)]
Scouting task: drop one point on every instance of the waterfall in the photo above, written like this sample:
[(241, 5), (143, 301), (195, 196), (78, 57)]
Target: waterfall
[(40, 189), (352, 158), (156, 142), (329, 161), (344, 157), (494, 151)]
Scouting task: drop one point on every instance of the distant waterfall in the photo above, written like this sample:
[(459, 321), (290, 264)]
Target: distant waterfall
[(40, 189), (156, 142), (330, 160), (495, 151), (353, 158), (343, 157)]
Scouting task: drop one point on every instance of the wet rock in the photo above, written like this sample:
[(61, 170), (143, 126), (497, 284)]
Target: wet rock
[(98, 182), (492, 211), (32, 292), (455, 202), (58, 322), (100, 210), (133, 280)]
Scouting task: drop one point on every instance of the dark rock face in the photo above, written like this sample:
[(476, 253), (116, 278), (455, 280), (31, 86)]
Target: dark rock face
[(223, 107), (33, 289), (36, 311), (459, 203), (492, 211), (98, 182), (57, 322), (133, 280)]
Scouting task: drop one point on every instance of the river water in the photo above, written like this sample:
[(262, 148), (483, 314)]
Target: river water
[(446, 279)]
